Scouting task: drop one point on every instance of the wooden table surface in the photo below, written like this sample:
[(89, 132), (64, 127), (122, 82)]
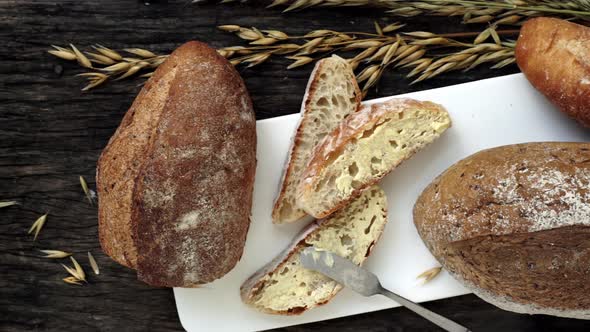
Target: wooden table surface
[(51, 132)]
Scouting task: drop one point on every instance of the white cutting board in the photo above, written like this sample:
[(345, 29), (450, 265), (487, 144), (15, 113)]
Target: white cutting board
[(485, 114)]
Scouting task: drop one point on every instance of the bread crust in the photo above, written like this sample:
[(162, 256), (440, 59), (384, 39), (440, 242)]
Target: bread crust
[(121, 160), (554, 55), (368, 117), (310, 91), (192, 195), (513, 223), (254, 282)]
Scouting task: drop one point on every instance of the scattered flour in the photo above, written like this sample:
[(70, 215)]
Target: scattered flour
[(557, 199), (188, 221), (551, 199), (188, 252), (186, 153), (160, 195)]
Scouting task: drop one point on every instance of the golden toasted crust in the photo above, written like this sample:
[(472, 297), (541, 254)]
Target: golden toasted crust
[(512, 223), (189, 177), (348, 131), (555, 57)]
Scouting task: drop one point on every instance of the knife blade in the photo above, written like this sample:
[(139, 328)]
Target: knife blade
[(365, 283)]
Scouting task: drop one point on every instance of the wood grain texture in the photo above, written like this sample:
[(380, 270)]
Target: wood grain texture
[(51, 132)]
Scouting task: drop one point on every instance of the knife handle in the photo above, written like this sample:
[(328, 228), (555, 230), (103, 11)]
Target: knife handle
[(435, 318)]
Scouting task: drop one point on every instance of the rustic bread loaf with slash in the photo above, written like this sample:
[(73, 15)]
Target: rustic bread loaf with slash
[(332, 94), (284, 287), (512, 224), (364, 148), (175, 181), (554, 55)]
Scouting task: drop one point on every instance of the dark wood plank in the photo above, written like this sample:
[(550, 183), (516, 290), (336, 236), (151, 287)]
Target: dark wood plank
[(51, 133)]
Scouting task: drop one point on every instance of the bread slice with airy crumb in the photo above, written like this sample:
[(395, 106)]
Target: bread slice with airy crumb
[(285, 287), (332, 94), (364, 148)]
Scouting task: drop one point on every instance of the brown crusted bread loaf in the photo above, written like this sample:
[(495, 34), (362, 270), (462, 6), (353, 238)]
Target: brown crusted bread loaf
[(364, 148), (554, 55), (175, 182), (284, 287), (122, 158), (513, 224), (332, 93)]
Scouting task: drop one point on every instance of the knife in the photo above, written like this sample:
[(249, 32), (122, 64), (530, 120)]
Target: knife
[(365, 283)]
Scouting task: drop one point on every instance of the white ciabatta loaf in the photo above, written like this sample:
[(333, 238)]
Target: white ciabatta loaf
[(364, 148), (513, 225), (332, 94), (284, 287)]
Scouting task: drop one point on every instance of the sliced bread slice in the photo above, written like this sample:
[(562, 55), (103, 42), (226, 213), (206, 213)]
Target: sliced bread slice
[(332, 94), (284, 287), (364, 148)]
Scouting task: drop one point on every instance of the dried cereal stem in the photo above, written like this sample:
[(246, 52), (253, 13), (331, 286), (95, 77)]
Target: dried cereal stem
[(473, 12), (386, 47), (115, 66)]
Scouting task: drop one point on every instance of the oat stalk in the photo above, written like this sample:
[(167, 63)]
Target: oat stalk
[(7, 204), (494, 11), (429, 274), (55, 254), (424, 54), (37, 226), (106, 64)]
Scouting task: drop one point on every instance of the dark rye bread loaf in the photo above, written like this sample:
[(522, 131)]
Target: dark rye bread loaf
[(175, 182), (513, 224)]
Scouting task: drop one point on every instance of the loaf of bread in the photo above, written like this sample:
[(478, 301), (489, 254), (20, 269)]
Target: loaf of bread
[(332, 93), (364, 148), (512, 224), (284, 287), (554, 55), (175, 181)]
